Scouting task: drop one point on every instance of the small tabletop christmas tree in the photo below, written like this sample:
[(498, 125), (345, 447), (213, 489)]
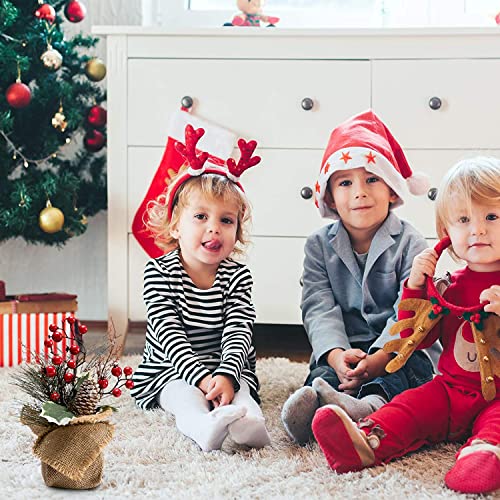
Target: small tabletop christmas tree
[(49, 99), (66, 389)]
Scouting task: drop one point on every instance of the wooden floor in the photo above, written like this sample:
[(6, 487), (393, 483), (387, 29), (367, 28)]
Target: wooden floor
[(289, 341)]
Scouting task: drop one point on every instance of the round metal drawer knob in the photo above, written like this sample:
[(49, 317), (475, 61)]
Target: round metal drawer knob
[(435, 103), (306, 192), (307, 104), (432, 193), (187, 101)]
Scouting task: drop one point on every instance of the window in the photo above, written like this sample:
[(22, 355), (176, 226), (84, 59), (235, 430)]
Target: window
[(329, 13)]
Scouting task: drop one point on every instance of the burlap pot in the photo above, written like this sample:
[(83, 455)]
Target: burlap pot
[(71, 455)]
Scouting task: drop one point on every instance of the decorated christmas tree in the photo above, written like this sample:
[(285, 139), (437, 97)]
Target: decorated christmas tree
[(52, 124)]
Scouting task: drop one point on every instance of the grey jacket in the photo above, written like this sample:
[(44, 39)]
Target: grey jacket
[(339, 304)]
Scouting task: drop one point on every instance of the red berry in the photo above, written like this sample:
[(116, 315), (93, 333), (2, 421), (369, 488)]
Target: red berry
[(129, 384), (70, 320), (103, 383), (55, 396), (74, 349), (116, 371), (57, 360), (50, 371), (128, 370), (57, 336), (48, 343), (71, 363), (53, 327), (116, 392), (68, 377), (83, 329)]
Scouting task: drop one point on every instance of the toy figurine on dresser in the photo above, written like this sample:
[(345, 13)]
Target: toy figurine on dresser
[(251, 14)]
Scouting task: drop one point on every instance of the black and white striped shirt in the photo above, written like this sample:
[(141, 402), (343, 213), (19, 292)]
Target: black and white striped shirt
[(192, 332)]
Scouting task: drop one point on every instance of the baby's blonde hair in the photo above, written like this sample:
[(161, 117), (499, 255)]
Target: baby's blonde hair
[(213, 187), (475, 179)]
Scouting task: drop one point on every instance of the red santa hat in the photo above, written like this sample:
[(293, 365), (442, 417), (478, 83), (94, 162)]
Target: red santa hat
[(365, 141)]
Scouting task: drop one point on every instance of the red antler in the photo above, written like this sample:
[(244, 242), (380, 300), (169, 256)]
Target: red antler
[(188, 151), (246, 161)]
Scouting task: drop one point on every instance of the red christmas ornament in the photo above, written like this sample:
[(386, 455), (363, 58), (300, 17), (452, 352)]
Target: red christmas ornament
[(128, 370), (18, 95), (97, 116), (129, 384), (68, 377), (46, 13), (50, 371), (74, 349), (48, 343), (116, 371), (53, 327), (94, 140), (75, 11), (55, 396), (116, 392), (82, 329), (103, 383), (57, 336), (71, 364), (70, 320)]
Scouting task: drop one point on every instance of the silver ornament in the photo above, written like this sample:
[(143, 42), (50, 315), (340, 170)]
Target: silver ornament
[(51, 58)]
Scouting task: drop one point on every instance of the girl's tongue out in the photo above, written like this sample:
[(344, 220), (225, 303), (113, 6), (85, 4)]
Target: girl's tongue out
[(212, 245)]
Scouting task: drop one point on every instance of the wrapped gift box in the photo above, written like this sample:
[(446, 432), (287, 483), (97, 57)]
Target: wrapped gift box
[(24, 325)]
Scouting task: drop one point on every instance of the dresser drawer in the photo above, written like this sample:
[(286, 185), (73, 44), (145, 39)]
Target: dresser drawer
[(468, 90), (257, 99), (276, 266), (420, 210)]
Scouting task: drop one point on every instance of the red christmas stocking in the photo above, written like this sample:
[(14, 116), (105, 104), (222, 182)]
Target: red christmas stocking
[(217, 141)]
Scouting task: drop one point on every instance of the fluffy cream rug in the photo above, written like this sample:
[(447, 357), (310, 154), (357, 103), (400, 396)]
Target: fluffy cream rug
[(149, 458)]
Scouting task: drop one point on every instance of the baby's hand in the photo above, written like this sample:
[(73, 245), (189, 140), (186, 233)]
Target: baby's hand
[(491, 295), (424, 264), (220, 390)]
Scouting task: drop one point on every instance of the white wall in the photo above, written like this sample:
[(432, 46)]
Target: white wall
[(81, 266)]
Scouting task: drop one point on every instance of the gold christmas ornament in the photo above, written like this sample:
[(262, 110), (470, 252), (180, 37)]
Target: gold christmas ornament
[(59, 120), (51, 219), (51, 58), (95, 69)]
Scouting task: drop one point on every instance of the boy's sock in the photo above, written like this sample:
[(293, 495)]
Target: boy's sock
[(298, 412), (250, 430), (355, 408)]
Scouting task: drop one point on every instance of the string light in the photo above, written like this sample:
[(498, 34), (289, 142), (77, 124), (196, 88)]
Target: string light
[(27, 161)]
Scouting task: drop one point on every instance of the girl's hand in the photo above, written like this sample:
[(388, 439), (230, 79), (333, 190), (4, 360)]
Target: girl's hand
[(220, 390), (491, 295), (204, 383), (424, 264)]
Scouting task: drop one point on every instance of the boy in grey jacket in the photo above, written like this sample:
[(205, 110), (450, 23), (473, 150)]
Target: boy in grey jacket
[(353, 273)]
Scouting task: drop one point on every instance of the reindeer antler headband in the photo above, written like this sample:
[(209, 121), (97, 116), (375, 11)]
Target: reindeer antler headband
[(198, 164)]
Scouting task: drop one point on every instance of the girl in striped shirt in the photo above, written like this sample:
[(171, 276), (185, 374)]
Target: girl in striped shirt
[(199, 361)]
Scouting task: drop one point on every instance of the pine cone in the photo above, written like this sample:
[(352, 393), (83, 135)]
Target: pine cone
[(86, 399)]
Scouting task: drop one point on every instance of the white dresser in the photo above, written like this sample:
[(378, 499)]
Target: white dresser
[(437, 89)]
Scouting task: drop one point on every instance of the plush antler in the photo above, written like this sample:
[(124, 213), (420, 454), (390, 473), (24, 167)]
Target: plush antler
[(487, 343), (421, 324), (246, 160), (188, 151)]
